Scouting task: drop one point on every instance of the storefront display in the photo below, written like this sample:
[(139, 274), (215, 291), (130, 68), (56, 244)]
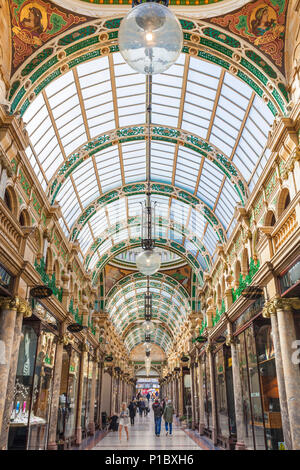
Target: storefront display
[(224, 395), (261, 409), (34, 381), (86, 394), (207, 395), (67, 410)]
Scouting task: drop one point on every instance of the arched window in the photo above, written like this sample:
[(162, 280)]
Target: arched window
[(7, 200), (24, 218), (283, 201), (270, 219)]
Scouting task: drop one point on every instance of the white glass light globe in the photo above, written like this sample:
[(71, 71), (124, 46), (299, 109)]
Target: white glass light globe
[(148, 327), (147, 346), (150, 38), (148, 262)]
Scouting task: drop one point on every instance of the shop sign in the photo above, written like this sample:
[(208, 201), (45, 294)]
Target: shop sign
[(252, 292), (41, 292)]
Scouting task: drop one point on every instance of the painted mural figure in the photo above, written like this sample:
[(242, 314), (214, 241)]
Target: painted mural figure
[(33, 21), (262, 22), (264, 25)]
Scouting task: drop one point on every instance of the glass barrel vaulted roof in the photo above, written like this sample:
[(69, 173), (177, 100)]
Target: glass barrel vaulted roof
[(101, 96)]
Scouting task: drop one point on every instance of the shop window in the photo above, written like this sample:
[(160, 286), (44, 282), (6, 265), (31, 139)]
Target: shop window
[(221, 395), (290, 278), (33, 388), (207, 396), (68, 396), (86, 394), (269, 385)]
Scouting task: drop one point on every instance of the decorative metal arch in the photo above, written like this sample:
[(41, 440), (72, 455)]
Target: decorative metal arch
[(156, 188), (161, 301), (137, 334), (141, 277), (99, 38), (161, 243), (134, 305), (135, 222), (129, 134)]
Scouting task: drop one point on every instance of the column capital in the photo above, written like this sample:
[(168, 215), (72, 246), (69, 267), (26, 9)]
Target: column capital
[(280, 303), (231, 340), (15, 303)]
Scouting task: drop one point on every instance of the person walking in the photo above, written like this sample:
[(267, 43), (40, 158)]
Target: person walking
[(157, 409), (132, 412), (124, 420), (168, 417)]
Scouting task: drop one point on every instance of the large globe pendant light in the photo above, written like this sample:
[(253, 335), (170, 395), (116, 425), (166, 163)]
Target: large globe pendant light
[(148, 262), (150, 38), (148, 327)]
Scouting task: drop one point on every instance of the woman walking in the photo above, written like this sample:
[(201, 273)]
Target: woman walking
[(124, 420), (168, 417)]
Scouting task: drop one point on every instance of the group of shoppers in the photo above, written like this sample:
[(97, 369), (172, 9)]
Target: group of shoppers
[(161, 409), (165, 409)]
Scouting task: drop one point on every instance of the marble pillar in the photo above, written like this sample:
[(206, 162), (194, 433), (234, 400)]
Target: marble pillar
[(7, 328), (279, 374), (193, 395), (52, 444), (91, 425), (100, 365), (181, 394), (12, 376), (78, 429), (209, 351), (238, 397), (287, 337), (201, 396)]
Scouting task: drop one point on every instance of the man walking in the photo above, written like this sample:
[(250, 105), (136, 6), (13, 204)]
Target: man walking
[(157, 409)]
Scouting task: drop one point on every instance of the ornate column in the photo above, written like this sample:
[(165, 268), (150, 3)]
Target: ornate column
[(209, 351), (193, 395), (62, 340), (23, 311), (237, 388), (180, 393), (100, 394), (201, 397), (83, 359), (287, 336), (9, 307), (269, 311), (91, 425)]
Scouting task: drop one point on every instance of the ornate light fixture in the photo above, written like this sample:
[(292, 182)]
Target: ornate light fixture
[(148, 261), (150, 37)]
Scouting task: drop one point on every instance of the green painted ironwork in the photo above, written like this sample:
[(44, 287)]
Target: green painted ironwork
[(75, 313), (247, 281), (219, 313), (49, 282)]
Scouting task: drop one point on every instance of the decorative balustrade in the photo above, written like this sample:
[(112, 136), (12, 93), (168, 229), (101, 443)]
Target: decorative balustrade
[(288, 226)]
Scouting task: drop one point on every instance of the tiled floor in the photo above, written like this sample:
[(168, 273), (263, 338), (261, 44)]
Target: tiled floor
[(142, 436)]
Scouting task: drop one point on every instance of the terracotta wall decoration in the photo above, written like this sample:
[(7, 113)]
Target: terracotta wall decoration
[(35, 23), (263, 24)]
